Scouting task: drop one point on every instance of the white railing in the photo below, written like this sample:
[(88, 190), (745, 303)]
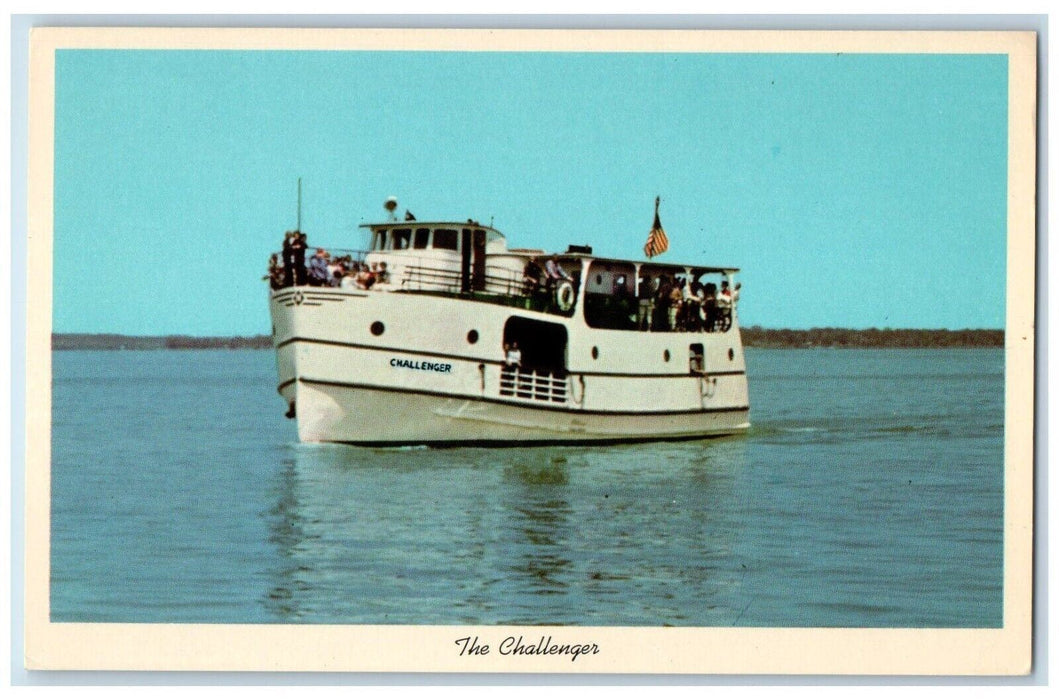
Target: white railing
[(496, 280), (533, 385)]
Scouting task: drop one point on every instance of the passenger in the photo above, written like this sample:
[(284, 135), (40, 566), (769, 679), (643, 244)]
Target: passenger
[(724, 307), (513, 356), (647, 303), (531, 278), (288, 260), (555, 271), (661, 318), (349, 281), (383, 275), (692, 307), (700, 295), (676, 303), (709, 306), (275, 276), (725, 297), (318, 269), (334, 273), (735, 294), (365, 278), (298, 246)]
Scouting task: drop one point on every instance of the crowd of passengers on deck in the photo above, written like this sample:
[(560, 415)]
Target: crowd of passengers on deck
[(675, 304), (322, 270)]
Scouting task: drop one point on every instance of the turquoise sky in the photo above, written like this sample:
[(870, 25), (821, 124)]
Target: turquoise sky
[(853, 190)]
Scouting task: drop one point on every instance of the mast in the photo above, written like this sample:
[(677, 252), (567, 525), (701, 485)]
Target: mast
[(299, 226)]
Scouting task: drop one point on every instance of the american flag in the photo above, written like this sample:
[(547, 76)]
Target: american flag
[(657, 242)]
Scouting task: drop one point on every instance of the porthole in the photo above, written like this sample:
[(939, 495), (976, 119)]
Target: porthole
[(595, 352), (665, 356), (472, 336), (731, 354), (599, 279), (377, 328)]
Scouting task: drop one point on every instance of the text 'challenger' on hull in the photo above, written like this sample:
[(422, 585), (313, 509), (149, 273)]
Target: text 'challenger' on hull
[(440, 334)]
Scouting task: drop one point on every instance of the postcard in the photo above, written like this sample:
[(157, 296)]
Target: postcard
[(531, 351)]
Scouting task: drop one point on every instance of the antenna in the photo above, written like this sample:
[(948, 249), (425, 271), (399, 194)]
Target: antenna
[(299, 227)]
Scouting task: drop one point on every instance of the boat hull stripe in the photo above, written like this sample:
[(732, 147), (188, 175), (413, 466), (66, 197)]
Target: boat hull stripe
[(519, 404), (537, 443), (382, 348)]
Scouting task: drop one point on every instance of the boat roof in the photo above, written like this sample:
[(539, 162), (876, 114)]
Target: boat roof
[(663, 266), (536, 253), (417, 223)]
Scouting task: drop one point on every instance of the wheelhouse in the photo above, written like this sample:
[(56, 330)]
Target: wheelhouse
[(447, 236)]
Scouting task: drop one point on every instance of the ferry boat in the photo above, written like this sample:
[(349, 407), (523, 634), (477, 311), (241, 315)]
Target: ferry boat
[(464, 342)]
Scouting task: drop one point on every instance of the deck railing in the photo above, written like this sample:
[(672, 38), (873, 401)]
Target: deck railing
[(496, 280), (415, 273), (533, 385)]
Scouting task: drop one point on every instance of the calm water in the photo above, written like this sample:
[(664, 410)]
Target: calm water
[(868, 493)]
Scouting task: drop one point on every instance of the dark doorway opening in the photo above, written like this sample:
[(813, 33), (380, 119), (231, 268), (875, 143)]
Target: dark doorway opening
[(478, 261), (543, 344)]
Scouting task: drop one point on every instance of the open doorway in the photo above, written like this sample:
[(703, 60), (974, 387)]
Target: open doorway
[(542, 344)]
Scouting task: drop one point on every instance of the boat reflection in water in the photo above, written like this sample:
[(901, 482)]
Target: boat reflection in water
[(621, 535)]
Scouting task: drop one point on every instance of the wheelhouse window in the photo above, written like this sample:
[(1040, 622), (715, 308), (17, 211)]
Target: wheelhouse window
[(446, 239), (401, 239), (422, 238), (378, 239)]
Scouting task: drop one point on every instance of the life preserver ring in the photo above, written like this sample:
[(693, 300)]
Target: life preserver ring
[(564, 295)]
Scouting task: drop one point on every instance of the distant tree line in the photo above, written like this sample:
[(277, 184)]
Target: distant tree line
[(108, 341), (758, 337), (753, 336)]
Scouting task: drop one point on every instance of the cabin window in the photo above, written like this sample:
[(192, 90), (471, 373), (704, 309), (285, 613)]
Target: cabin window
[(610, 300), (446, 239), (401, 238), (422, 239)]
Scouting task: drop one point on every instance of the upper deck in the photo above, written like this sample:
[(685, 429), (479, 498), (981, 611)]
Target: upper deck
[(473, 261)]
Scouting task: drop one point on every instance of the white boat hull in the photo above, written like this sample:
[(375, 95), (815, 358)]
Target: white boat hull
[(330, 412), (422, 381)]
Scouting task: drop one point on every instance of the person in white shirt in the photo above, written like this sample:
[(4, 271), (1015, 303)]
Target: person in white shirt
[(514, 356), (555, 271)]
